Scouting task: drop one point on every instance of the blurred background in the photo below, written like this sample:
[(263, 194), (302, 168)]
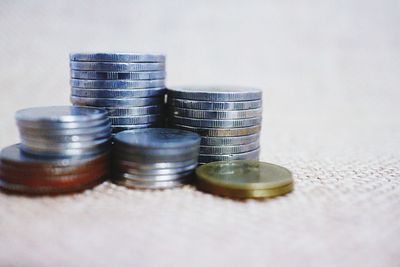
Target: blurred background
[(329, 71)]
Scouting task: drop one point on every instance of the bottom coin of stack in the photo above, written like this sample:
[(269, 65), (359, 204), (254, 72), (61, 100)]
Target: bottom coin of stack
[(244, 179), (23, 173), (154, 158), (228, 119)]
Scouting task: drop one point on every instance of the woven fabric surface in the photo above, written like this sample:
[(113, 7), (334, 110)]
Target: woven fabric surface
[(329, 71)]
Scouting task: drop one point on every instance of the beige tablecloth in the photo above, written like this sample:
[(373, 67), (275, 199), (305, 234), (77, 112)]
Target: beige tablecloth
[(330, 75)]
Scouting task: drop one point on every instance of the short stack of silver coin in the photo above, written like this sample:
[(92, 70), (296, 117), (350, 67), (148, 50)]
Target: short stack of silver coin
[(63, 131), (130, 86), (154, 158), (228, 119)]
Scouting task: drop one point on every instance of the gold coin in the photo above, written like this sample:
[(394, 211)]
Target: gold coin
[(244, 179)]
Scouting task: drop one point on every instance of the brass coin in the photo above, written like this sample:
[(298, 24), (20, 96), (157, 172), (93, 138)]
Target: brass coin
[(244, 179)]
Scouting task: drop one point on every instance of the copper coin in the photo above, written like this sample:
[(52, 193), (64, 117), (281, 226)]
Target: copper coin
[(49, 181), (48, 190)]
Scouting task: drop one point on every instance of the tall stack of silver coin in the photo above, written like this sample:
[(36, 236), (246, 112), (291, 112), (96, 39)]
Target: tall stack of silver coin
[(154, 158), (63, 131), (228, 119), (130, 86)]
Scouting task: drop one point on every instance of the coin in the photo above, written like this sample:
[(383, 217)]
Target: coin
[(119, 128), (60, 114), (117, 67), (50, 133), (250, 155), (213, 114), (157, 165), (209, 123), (244, 179), (117, 93), (117, 57), (55, 171), (102, 75), (234, 140), (117, 102), (117, 84), (63, 153), (220, 132), (135, 111), (229, 149), (56, 144), (48, 190), (156, 158), (12, 155), (152, 178), (143, 119), (158, 138), (66, 138), (63, 125), (130, 183), (215, 93), (156, 172), (207, 105), (50, 179)]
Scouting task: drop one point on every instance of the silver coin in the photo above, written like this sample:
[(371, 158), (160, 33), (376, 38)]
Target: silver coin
[(144, 119), (151, 157), (14, 156), (56, 145), (117, 84), (229, 140), (60, 114), (135, 111), (139, 184), (207, 105), (157, 165), (64, 153), (117, 93), (208, 123), (216, 93), (158, 138), (250, 155), (212, 114), (104, 128), (127, 151), (139, 172), (117, 57), (117, 67), (117, 102), (109, 75), (217, 150), (220, 132), (119, 128), (61, 125), (151, 178), (67, 138)]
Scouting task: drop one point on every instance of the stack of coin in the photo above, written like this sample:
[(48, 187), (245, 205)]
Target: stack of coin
[(63, 131), (154, 158), (23, 173), (228, 119), (244, 179), (63, 149), (130, 86)]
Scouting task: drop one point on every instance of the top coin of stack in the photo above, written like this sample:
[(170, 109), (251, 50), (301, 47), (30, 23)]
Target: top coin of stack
[(228, 119), (130, 86)]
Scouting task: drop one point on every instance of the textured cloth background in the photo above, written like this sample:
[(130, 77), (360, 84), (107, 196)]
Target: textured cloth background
[(330, 75)]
